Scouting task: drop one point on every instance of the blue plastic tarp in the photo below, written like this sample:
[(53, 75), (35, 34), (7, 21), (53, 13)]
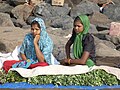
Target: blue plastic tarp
[(26, 85)]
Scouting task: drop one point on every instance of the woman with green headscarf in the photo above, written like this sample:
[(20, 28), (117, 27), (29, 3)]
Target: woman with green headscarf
[(83, 43)]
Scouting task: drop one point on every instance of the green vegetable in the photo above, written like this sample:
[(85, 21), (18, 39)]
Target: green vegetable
[(94, 78)]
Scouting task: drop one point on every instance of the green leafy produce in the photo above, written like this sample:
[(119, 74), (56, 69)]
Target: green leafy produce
[(94, 78)]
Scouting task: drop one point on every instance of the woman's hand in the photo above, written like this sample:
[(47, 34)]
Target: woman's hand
[(36, 39), (39, 54), (64, 62)]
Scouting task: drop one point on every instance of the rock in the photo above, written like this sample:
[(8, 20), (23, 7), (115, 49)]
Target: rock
[(5, 8), (64, 22), (118, 47), (42, 9), (18, 23), (109, 44), (84, 7), (2, 47), (96, 40), (5, 20), (48, 1), (112, 12), (113, 39), (59, 32), (76, 1), (102, 34), (100, 19), (94, 1), (114, 29), (102, 27), (108, 61), (11, 37), (103, 50), (35, 2), (16, 2), (93, 29), (29, 19), (72, 3), (102, 1), (22, 12), (47, 11)]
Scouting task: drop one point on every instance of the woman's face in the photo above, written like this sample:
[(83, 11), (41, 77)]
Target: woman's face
[(78, 26), (35, 30)]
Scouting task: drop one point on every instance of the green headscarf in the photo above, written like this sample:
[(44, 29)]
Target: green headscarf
[(77, 45)]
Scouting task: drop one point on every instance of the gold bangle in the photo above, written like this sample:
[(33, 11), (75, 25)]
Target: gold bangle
[(69, 61), (28, 60)]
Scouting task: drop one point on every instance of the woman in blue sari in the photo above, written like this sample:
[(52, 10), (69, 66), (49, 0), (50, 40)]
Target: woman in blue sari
[(36, 47)]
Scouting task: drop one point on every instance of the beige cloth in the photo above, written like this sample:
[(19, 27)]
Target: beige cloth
[(64, 70)]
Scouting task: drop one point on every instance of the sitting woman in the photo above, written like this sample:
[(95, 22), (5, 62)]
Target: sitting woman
[(36, 49), (83, 43)]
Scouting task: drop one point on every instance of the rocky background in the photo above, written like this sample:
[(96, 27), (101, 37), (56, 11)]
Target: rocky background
[(16, 16)]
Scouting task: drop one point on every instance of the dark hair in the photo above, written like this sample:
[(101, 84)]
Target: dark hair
[(77, 19), (35, 22)]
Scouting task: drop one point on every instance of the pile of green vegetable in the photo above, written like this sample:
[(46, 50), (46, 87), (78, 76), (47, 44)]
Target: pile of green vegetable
[(94, 78)]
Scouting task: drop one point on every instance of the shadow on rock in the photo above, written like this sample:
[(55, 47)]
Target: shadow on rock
[(2, 47)]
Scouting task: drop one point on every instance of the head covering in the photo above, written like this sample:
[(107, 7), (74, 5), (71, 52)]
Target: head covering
[(77, 45), (41, 23)]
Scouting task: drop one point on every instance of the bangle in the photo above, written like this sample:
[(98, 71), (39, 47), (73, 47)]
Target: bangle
[(28, 60), (69, 61)]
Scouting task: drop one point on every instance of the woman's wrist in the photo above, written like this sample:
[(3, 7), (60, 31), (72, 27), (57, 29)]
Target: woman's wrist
[(35, 44), (69, 61)]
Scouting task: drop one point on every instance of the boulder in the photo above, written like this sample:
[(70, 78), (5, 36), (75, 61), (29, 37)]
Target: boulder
[(112, 11), (5, 8), (113, 39), (47, 11), (100, 19), (5, 20), (11, 37), (103, 50), (84, 7), (16, 2), (64, 22), (22, 12)]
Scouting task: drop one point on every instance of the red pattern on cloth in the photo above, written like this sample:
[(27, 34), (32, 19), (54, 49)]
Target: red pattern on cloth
[(8, 64)]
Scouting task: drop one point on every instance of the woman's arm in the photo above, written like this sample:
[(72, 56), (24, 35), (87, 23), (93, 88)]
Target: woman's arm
[(82, 60), (69, 43), (39, 54), (23, 57), (67, 48)]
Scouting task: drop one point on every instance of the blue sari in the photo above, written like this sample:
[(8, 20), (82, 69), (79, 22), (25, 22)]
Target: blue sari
[(45, 44)]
